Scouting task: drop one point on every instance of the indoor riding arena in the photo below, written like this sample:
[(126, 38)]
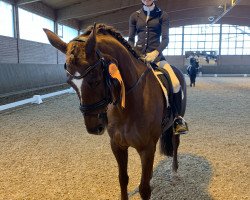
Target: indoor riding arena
[(46, 152)]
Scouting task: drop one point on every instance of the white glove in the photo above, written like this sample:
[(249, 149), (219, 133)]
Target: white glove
[(150, 57)]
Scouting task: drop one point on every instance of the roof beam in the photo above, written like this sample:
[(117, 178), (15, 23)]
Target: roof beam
[(23, 2), (122, 16), (92, 8), (226, 10), (115, 17)]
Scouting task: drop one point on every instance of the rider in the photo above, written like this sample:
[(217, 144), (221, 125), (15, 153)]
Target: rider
[(150, 23)]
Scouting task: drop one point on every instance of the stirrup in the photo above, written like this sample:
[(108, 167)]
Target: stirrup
[(180, 126)]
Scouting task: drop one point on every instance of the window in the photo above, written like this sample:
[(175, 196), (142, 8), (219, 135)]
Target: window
[(246, 48), (60, 30), (68, 33), (31, 26), (201, 37), (235, 40), (175, 42), (6, 19)]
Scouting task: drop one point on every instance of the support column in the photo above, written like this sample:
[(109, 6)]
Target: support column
[(56, 31), (16, 29), (220, 40), (182, 47)]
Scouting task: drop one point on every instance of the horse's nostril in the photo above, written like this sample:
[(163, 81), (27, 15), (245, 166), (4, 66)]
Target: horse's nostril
[(100, 129)]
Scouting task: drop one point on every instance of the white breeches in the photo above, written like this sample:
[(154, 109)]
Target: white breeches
[(173, 77)]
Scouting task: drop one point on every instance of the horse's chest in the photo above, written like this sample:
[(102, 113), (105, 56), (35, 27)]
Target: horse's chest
[(118, 134)]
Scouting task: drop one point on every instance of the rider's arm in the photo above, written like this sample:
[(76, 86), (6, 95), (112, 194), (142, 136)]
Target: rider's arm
[(132, 30), (165, 32)]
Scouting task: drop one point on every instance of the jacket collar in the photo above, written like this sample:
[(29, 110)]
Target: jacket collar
[(154, 13), (148, 9)]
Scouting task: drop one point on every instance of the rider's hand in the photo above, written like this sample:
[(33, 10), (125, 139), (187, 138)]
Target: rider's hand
[(150, 57)]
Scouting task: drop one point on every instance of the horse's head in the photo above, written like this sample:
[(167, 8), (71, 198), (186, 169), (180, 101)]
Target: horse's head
[(87, 74)]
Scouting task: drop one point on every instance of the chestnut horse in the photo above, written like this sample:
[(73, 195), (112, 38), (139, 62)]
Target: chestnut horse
[(119, 92)]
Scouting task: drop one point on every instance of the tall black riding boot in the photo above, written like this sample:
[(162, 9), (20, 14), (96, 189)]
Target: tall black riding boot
[(180, 125)]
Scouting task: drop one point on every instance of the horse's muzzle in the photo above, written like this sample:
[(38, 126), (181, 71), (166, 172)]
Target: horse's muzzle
[(99, 130)]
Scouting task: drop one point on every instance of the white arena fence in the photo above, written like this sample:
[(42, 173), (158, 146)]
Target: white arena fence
[(37, 99), (221, 75)]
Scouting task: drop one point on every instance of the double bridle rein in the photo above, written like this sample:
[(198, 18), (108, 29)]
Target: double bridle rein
[(88, 109)]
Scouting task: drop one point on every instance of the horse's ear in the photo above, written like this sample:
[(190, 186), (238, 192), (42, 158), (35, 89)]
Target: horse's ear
[(91, 42), (55, 41)]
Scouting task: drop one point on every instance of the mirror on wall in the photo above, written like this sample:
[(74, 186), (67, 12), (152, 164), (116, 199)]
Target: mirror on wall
[(203, 57)]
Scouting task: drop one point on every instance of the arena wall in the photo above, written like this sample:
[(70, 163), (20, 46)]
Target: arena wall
[(27, 65)]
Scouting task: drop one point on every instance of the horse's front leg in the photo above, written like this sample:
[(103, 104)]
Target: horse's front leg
[(147, 160), (121, 155)]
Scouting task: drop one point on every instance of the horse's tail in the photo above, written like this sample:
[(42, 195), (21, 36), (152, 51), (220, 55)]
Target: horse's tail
[(166, 144)]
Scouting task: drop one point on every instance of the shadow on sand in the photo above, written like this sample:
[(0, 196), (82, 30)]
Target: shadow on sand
[(191, 182)]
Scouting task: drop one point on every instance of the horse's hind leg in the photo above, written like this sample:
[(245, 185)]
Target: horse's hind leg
[(147, 160), (176, 142), (121, 156)]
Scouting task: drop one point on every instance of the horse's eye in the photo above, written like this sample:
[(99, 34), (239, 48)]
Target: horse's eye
[(97, 83), (93, 83)]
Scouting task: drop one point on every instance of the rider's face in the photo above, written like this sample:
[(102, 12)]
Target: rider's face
[(147, 2)]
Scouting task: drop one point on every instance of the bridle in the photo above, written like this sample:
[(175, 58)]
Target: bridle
[(90, 68), (88, 109)]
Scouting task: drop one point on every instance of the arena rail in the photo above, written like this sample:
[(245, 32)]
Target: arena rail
[(37, 99), (220, 75), (223, 75)]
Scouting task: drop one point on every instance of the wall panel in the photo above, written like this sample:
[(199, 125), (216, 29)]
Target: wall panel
[(21, 77), (39, 53), (8, 50)]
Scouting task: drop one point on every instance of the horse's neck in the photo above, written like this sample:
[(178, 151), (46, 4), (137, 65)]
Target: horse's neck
[(127, 64)]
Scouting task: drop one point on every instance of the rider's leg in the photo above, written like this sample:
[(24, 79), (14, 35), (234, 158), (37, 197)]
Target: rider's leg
[(180, 126)]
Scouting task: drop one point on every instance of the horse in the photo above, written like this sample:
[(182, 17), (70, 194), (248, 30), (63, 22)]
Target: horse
[(192, 70), (120, 94)]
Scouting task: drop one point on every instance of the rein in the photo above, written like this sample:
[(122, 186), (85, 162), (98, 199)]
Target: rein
[(138, 81)]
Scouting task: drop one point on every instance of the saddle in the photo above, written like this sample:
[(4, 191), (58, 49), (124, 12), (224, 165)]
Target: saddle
[(164, 80)]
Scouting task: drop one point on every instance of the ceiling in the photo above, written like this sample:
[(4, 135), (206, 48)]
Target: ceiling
[(117, 12)]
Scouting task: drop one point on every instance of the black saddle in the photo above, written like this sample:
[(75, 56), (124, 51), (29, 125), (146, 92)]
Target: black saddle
[(167, 83)]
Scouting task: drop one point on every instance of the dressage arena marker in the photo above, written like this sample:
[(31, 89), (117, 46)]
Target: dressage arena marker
[(37, 99)]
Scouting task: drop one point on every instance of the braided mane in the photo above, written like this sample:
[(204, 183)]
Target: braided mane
[(104, 29)]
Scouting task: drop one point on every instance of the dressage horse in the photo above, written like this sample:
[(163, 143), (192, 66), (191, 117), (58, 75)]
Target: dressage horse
[(192, 71), (119, 92)]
